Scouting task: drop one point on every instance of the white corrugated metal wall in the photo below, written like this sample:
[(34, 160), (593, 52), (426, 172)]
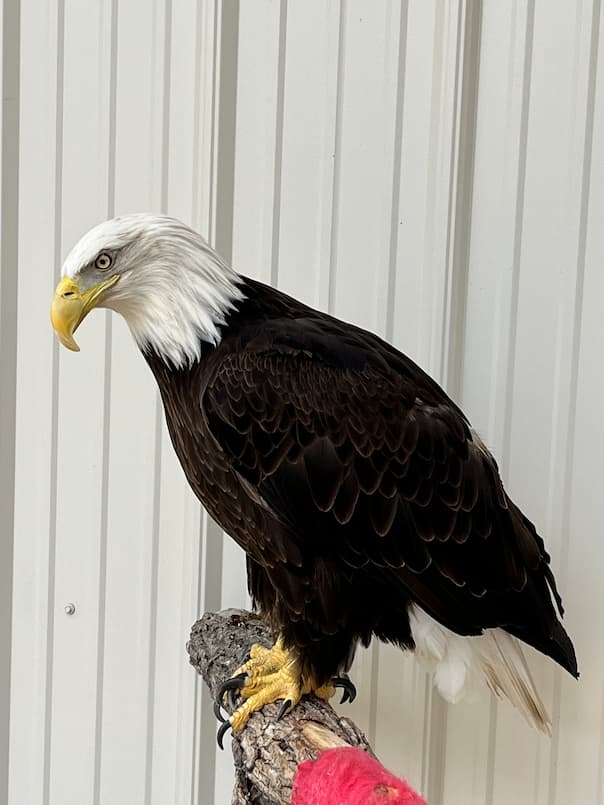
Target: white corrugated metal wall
[(431, 169), (9, 128)]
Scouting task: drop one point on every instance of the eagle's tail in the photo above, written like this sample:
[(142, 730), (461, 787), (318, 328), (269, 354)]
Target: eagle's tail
[(506, 672), (495, 656)]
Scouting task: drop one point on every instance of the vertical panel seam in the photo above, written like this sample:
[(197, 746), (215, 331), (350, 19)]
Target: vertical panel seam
[(213, 196), (227, 118), (453, 201), (157, 463), (335, 195), (196, 743), (461, 203), (111, 167), (278, 164), (166, 105), (518, 235), (153, 603), (207, 227), (111, 162), (195, 172), (52, 526), (429, 692), (397, 170)]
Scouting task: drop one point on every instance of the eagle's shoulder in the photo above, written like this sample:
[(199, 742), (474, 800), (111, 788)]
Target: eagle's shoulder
[(268, 323)]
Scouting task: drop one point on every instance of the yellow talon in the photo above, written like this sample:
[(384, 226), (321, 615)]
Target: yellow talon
[(272, 675), (257, 650), (325, 692)]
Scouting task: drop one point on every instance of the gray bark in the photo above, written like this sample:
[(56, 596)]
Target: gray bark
[(267, 752)]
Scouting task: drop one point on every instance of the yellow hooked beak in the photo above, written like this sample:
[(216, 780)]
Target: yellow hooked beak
[(70, 305)]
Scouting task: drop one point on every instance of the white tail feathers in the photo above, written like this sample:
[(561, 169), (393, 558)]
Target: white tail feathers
[(495, 656), (507, 674)]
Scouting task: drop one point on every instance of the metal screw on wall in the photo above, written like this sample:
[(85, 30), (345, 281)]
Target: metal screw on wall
[(69, 609)]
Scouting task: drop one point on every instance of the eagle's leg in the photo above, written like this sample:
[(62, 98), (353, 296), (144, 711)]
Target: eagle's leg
[(269, 675)]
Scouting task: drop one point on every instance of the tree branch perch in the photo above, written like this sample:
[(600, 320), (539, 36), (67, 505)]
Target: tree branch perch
[(267, 752)]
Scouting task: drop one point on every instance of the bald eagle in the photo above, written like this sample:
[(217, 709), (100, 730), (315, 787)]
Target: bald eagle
[(365, 502)]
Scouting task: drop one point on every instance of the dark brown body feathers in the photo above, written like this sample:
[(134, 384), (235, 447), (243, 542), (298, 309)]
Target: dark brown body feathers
[(355, 486)]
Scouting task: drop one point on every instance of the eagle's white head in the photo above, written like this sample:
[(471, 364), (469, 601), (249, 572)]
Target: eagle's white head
[(173, 290)]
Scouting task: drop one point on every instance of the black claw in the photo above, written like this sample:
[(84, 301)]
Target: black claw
[(218, 712), (284, 708), (232, 684), (235, 683), (224, 728), (349, 691)]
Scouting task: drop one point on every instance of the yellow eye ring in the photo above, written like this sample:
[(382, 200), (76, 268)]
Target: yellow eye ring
[(103, 261)]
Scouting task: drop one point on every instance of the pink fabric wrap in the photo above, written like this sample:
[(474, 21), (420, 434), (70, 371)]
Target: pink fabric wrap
[(349, 776)]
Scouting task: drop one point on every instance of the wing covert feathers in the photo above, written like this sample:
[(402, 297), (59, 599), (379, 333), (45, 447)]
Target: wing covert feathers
[(375, 465)]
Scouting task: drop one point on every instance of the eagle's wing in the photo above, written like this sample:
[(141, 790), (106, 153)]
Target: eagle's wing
[(366, 461)]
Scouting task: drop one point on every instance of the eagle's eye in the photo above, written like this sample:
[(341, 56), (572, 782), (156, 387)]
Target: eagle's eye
[(103, 261)]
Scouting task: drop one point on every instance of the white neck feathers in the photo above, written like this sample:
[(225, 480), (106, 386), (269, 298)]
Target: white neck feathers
[(181, 302), (174, 291)]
